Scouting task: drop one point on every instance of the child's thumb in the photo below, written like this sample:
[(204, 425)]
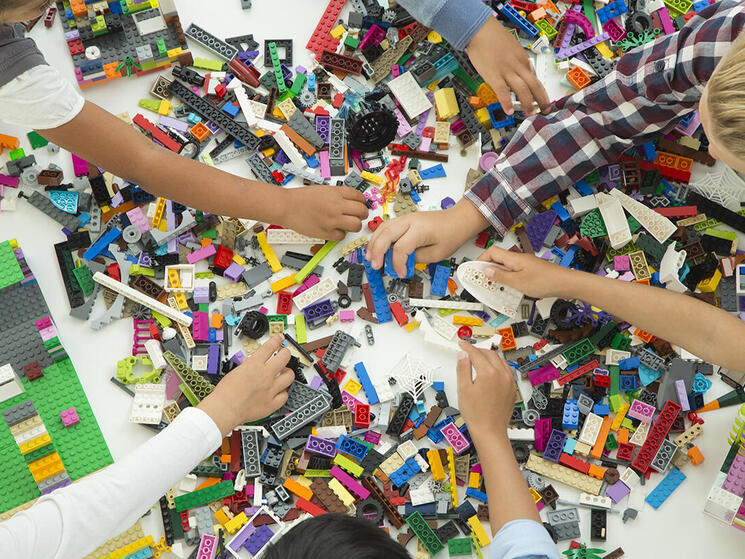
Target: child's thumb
[(497, 274), (464, 369)]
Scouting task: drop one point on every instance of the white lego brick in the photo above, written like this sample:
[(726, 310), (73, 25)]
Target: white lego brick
[(543, 306), (244, 104), (630, 478), (186, 274), (670, 266), (423, 464), (290, 237), (437, 304), (188, 484), (722, 505), (313, 294), (30, 434), (268, 125), (142, 299), (332, 432), (619, 233), (9, 383), (421, 495), (407, 450), (199, 362), (595, 501), (660, 227), (442, 327), (147, 406), (409, 94), (155, 353), (580, 206), (590, 429), (640, 435), (614, 356), (384, 415), (501, 298), (289, 148), (521, 434)]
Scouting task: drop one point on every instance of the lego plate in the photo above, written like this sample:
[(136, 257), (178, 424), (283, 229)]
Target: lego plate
[(501, 298)]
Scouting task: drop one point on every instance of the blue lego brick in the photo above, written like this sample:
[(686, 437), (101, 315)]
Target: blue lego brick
[(231, 109), (627, 382), (312, 161), (415, 196), (413, 414), (405, 472), (440, 281), (436, 172), (570, 419), (629, 363), (561, 212), (144, 553), (650, 153), (496, 113), (601, 409), (614, 9), (367, 385), (377, 290), (583, 188), (568, 257), (520, 22), (556, 251), (438, 386), (475, 494), (665, 488), (569, 445), (426, 509), (351, 447), (700, 5), (102, 244), (390, 271), (444, 66)]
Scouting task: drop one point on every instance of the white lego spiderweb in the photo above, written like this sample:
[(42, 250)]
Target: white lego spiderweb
[(722, 185), (413, 375)]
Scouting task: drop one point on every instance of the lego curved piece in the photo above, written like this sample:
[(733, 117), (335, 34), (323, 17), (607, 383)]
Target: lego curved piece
[(499, 297), (578, 18)]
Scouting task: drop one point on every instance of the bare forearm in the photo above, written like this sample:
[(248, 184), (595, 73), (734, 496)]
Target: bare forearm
[(108, 142), (706, 331), (508, 494)]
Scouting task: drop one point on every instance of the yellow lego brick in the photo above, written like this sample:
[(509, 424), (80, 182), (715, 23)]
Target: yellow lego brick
[(563, 474), (164, 108), (474, 480), (268, 253), (536, 496), (352, 386), (483, 115), (478, 529), (160, 207), (371, 177), (486, 94), (304, 481), (411, 326), (129, 549), (236, 523), (483, 331), (421, 266), (620, 414), (238, 259), (180, 299), (35, 444), (434, 37), (337, 31), (467, 320), (46, 467), (709, 285), (283, 283), (435, 465), (173, 54), (344, 496), (451, 475), (222, 518), (604, 50)]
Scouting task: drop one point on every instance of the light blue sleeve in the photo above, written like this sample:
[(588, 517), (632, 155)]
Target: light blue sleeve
[(523, 539), (456, 20)]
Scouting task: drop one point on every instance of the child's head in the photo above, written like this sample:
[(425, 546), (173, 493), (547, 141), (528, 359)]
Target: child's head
[(336, 535), (722, 108), (12, 11)]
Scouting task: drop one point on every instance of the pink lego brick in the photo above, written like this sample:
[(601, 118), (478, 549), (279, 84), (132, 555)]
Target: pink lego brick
[(48, 333), (680, 388), (403, 125), (325, 166), (692, 126), (735, 481), (456, 439), (207, 547), (137, 217), (349, 482), (201, 254), (200, 326), (346, 315), (349, 400), (6, 180), (543, 374), (666, 21), (614, 30), (542, 432), (43, 323), (69, 417), (641, 411), (373, 37), (309, 282), (621, 263), (372, 437), (79, 165)]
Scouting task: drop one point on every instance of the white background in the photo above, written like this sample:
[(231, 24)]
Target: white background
[(678, 529)]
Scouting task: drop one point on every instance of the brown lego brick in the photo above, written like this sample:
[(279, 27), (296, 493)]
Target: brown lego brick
[(423, 155), (298, 140), (320, 343)]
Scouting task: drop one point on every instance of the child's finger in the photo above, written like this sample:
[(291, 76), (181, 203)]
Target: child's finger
[(268, 348), (279, 400), (463, 371), (383, 238), (279, 361), (503, 95), (354, 208), (539, 92), (353, 194), (495, 254), (404, 246), (478, 358), (283, 381)]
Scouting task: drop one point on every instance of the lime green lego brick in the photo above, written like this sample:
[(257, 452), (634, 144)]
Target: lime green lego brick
[(16, 154), (188, 394), (85, 279), (317, 473), (301, 334), (425, 534), (199, 386), (10, 270), (161, 46), (162, 321), (313, 262), (706, 224), (150, 104), (459, 546), (204, 275), (207, 64), (346, 464), (37, 140), (721, 234), (626, 249), (203, 496)]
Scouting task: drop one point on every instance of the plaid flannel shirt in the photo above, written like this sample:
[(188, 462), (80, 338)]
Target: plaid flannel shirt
[(649, 92)]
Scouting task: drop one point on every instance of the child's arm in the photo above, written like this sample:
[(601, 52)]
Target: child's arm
[(486, 403), (708, 332), (101, 138), (73, 521), (651, 89)]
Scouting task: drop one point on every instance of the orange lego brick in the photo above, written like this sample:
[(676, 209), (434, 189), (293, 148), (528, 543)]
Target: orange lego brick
[(508, 338), (623, 435), (9, 142), (596, 471), (642, 335), (695, 455), (294, 487), (200, 132), (577, 77), (597, 450), (216, 320), (486, 94)]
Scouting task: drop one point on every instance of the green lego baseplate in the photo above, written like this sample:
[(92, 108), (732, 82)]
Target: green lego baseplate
[(81, 447)]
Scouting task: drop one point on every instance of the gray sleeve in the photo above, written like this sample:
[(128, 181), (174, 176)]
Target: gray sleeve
[(456, 20), (17, 53)]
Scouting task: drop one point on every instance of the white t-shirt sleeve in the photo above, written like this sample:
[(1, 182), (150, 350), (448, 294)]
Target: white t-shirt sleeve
[(75, 520), (39, 99)]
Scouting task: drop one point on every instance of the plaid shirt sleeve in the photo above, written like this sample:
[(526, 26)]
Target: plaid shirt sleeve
[(651, 89)]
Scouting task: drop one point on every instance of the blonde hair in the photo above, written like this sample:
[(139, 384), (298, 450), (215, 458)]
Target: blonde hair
[(726, 99)]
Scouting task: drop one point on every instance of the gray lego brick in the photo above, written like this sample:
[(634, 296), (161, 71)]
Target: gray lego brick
[(301, 417), (298, 395), (257, 274), (19, 412), (260, 169), (339, 345), (53, 481), (302, 126), (209, 41), (203, 516), (42, 203), (26, 302), (563, 516), (22, 345), (250, 444), (664, 456)]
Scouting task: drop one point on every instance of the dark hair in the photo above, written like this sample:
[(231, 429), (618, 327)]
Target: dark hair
[(336, 535)]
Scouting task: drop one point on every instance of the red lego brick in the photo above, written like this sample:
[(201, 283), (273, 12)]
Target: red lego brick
[(482, 239), (399, 313), (625, 451), (113, 272), (284, 302), (374, 223), (321, 38), (578, 372), (574, 463), (656, 435), (223, 257), (362, 416), (310, 508)]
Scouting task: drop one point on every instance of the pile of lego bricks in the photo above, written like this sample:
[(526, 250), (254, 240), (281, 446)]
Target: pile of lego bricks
[(605, 397)]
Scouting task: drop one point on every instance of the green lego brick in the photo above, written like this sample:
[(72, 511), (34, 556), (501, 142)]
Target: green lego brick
[(593, 225), (315, 261), (634, 225), (37, 140), (39, 453), (10, 270), (162, 50), (297, 85), (626, 249), (615, 380), (351, 42), (17, 153), (199, 386), (203, 496), (459, 546), (425, 534), (621, 342), (471, 84), (277, 67), (578, 351), (210, 234), (277, 318)]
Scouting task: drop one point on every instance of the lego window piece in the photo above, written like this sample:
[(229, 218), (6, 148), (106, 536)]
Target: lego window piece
[(501, 298)]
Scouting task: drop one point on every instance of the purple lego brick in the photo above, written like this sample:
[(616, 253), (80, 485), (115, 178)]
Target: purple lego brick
[(372, 437), (680, 389), (238, 357), (542, 432), (538, 228), (543, 374), (201, 295), (201, 254), (323, 127), (317, 445), (174, 124), (259, 539), (318, 310), (617, 491), (555, 445), (576, 49), (735, 481), (213, 360), (242, 536), (233, 272), (614, 30)]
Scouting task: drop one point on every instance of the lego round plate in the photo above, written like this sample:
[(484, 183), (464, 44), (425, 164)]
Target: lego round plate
[(501, 298)]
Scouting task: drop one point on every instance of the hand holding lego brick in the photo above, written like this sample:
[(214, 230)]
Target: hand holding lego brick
[(505, 66), (533, 276), (433, 235), (253, 390), (486, 400), (324, 211)]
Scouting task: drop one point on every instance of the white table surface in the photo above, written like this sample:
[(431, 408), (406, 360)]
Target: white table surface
[(678, 529)]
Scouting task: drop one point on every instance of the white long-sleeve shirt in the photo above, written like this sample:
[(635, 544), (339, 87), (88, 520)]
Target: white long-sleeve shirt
[(73, 521)]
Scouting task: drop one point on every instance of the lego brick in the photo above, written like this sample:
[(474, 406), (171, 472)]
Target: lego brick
[(501, 298), (665, 488)]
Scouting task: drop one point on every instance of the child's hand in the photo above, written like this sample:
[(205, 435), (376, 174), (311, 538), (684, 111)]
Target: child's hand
[(254, 389), (533, 276), (433, 235), (485, 402), (327, 212), (505, 66)]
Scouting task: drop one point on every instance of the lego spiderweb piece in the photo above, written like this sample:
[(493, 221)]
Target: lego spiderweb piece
[(722, 185), (413, 375), (501, 298)]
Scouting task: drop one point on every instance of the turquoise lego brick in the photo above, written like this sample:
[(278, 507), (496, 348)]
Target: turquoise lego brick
[(665, 488)]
